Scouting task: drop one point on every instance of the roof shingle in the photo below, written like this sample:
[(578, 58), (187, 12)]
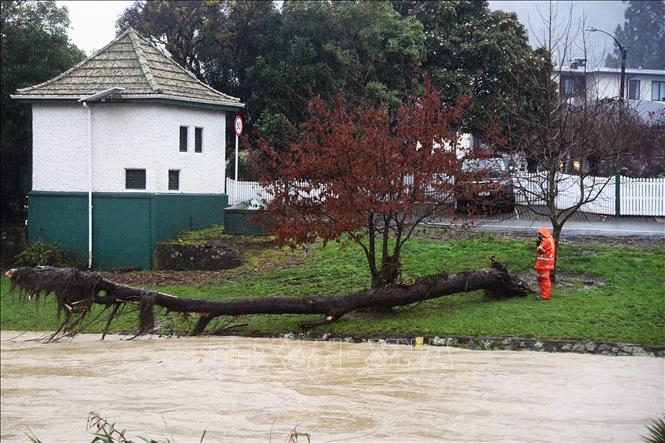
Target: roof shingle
[(133, 63)]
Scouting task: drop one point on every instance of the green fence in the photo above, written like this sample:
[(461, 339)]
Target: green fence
[(126, 226)]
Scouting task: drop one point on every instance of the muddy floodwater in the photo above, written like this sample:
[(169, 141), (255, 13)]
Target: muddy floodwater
[(261, 390)]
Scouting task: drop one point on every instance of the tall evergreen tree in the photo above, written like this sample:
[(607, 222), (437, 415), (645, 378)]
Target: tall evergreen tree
[(183, 28), (470, 50), (274, 59), (35, 48), (643, 34)]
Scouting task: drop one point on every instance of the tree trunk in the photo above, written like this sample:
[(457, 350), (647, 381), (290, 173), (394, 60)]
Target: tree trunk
[(77, 291), (389, 272)]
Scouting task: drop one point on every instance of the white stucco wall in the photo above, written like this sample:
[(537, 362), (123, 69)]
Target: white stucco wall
[(604, 85), (126, 136)]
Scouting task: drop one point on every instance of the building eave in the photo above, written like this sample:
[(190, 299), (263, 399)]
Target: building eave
[(136, 99), (613, 71)]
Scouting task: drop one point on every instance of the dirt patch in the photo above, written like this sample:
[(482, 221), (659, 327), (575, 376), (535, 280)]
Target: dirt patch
[(567, 280), (163, 278), (258, 260), (582, 281)]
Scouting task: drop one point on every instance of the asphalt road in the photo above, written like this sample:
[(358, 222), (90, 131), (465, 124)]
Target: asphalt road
[(578, 225)]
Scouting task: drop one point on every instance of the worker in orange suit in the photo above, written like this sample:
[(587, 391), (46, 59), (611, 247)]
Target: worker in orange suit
[(545, 253)]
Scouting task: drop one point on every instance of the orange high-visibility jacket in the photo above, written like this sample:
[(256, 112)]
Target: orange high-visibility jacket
[(545, 251)]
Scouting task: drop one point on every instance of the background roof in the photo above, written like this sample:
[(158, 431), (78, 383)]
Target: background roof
[(133, 63)]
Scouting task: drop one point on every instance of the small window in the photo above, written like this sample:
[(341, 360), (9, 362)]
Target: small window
[(135, 178), (567, 86), (174, 180), (657, 91), (183, 139), (198, 139), (634, 89), (571, 85)]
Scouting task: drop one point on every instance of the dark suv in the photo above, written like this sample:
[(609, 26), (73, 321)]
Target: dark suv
[(485, 184)]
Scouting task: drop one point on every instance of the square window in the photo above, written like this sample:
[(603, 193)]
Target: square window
[(571, 85), (174, 180), (134, 178), (198, 139), (183, 138)]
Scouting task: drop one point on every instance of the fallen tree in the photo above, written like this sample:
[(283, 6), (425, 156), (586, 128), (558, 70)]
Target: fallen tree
[(77, 291)]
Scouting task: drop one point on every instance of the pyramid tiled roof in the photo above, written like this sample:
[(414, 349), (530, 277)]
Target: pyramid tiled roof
[(133, 63)]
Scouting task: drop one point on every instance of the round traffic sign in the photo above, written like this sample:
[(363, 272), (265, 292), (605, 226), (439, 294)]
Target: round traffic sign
[(237, 124)]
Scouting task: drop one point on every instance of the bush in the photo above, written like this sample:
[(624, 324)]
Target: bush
[(41, 253)]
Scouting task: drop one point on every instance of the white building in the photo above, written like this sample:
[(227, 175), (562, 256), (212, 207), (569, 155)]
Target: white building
[(128, 149), (644, 89)]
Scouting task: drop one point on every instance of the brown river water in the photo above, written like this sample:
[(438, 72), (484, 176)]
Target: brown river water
[(262, 390)]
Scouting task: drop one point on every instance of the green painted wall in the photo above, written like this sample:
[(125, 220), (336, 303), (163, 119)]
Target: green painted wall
[(121, 228), (240, 221), (60, 218), (126, 226)]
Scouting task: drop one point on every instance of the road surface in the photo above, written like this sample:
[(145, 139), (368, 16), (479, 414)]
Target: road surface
[(580, 224)]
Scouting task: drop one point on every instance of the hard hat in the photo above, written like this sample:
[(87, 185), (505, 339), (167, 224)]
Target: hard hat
[(544, 231)]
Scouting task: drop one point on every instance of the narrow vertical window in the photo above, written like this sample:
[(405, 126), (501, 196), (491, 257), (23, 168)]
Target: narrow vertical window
[(174, 180), (634, 89), (134, 178), (183, 139), (567, 86), (657, 91), (198, 139)]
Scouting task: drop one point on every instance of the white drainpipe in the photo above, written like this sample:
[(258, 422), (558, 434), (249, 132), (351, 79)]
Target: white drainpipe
[(100, 96), (85, 105)]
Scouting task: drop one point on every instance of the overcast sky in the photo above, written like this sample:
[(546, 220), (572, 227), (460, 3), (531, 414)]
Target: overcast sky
[(93, 22), (605, 15)]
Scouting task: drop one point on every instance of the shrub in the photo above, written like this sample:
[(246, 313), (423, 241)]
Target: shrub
[(41, 253)]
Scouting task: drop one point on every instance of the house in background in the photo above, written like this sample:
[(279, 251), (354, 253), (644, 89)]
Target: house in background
[(641, 85), (644, 92), (128, 149)]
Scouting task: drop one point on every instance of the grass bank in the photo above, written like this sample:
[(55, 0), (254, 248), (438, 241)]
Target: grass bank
[(603, 292)]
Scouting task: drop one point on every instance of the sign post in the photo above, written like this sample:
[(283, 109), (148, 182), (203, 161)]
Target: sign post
[(237, 125)]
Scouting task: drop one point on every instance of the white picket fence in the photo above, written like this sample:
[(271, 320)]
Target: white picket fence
[(244, 191), (642, 196), (638, 196)]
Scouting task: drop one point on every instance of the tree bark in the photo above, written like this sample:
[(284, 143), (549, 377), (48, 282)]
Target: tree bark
[(77, 291)]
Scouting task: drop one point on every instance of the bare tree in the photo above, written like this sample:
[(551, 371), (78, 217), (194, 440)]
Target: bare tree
[(573, 141)]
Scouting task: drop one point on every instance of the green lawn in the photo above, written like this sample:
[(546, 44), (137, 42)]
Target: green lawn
[(613, 293)]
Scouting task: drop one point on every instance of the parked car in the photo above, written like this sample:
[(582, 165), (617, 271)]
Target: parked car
[(485, 184)]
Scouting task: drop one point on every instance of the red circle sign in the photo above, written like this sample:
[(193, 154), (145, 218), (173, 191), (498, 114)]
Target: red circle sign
[(237, 124)]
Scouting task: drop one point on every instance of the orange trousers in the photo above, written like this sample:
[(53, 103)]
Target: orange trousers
[(543, 277)]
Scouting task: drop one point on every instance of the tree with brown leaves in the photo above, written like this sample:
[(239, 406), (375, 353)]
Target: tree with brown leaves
[(364, 174)]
